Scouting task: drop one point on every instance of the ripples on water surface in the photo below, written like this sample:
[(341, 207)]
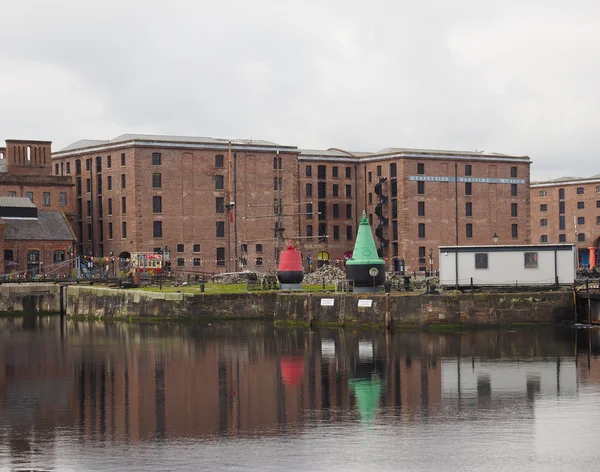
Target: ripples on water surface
[(248, 396)]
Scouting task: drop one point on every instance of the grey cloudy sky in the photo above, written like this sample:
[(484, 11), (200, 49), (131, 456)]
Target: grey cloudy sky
[(519, 77)]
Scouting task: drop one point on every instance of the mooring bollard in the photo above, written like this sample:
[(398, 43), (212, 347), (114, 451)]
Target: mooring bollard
[(387, 311)]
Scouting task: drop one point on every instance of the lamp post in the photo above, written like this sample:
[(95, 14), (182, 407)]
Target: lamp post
[(162, 267), (163, 250), (112, 260), (495, 238), (430, 262)]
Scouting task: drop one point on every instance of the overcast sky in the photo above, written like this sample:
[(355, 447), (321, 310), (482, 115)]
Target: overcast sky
[(518, 77)]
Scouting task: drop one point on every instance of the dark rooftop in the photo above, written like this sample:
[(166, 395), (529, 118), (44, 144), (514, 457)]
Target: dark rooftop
[(50, 225)]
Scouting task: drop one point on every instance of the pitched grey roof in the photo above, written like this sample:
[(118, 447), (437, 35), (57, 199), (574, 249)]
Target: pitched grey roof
[(188, 139), (84, 143), (443, 152), (16, 202), (50, 225), (567, 180), (325, 153)]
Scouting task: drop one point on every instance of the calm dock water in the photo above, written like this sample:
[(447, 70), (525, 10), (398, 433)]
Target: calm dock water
[(249, 396)]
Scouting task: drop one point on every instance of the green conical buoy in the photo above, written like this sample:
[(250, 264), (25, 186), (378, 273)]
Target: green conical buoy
[(365, 258), (365, 251)]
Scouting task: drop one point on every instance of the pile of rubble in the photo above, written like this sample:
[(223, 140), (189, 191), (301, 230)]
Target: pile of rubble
[(327, 273), (394, 276), (234, 277), (421, 282), (415, 282)]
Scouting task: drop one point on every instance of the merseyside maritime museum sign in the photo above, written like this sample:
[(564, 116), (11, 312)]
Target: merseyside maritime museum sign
[(479, 180)]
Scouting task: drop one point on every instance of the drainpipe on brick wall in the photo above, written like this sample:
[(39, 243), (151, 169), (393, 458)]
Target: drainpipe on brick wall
[(92, 203), (235, 228)]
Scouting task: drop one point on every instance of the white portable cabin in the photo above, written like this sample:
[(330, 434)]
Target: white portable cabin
[(496, 265)]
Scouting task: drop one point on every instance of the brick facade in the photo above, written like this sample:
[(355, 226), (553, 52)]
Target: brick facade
[(202, 234), (568, 211), (410, 226), (338, 188), (50, 263), (328, 206)]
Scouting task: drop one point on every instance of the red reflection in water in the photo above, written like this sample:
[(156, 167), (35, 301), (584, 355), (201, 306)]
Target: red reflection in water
[(292, 369)]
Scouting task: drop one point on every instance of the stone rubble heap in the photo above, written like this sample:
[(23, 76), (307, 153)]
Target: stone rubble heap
[(415, 282), (235, 277), (327, 273)]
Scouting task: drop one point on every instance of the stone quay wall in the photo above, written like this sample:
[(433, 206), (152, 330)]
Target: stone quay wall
[(30, 298), (478, 309), (120, 303), (408, 310)]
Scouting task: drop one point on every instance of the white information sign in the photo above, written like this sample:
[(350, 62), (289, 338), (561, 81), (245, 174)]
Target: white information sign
[(365, 303), (327, 301)]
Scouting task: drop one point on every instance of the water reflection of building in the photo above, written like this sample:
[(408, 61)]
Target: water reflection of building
[(481, 383), (175, 388), (35, 386), (128, 383), (588, 357), (381, 373)]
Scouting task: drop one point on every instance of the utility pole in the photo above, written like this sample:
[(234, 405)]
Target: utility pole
[(456, 222), (279, 229), (229, 209)]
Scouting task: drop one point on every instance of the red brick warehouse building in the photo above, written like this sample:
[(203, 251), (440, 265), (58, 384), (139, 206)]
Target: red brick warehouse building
[(567, 210), (214, 203), (416, 200), (221, 205)]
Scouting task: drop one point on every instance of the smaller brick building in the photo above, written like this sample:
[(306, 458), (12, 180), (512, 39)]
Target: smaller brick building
[(26, 171), (567, 210), (34, 242)]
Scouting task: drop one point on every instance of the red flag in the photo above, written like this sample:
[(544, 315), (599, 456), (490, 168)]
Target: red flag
[(231, 217)]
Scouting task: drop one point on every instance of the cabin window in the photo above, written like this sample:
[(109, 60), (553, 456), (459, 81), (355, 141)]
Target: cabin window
[(531, 260), (481, 260)]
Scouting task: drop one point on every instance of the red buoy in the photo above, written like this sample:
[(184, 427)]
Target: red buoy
[(290, 270)]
